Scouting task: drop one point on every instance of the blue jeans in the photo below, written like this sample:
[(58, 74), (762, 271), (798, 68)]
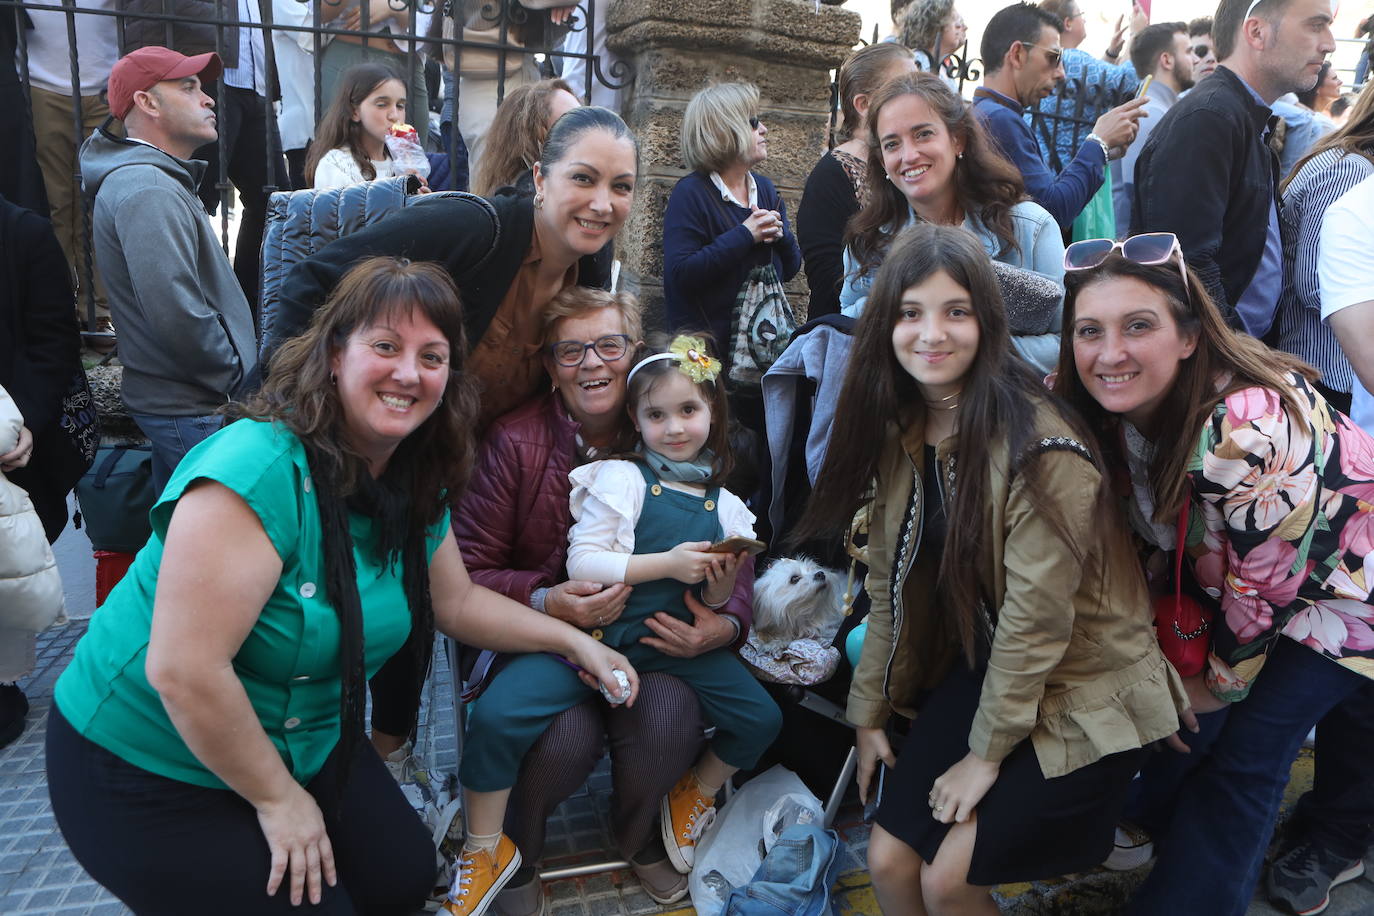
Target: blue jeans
[(1215, 845), (172, 438)]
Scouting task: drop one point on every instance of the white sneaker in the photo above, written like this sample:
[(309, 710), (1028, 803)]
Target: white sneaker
[(1131, 849)]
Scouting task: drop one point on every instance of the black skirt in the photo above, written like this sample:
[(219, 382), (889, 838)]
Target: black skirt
[(1029, 827)]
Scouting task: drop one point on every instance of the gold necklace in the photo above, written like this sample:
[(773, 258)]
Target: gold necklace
[(940, 404)]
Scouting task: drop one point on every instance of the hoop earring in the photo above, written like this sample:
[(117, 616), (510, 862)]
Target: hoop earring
[(539, 200), (333, 379)]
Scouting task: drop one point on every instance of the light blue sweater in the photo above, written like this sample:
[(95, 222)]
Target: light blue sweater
[(1039, 248)]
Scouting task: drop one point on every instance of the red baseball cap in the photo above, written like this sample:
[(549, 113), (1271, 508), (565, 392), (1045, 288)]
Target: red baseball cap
[(140, 70)]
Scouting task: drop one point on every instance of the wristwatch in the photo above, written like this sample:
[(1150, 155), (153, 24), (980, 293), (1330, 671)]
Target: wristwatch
[(1106, 150)]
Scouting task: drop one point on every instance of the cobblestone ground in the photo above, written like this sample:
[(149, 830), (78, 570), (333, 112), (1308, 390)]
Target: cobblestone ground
[(39, 876)]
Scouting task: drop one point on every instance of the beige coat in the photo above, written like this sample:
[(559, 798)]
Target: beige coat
[(30, 586), (1074, 664)]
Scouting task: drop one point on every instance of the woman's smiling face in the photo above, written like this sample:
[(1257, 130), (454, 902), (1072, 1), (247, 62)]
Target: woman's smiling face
[(390, 378), (1127, 347), (595, 389), (585, 197)]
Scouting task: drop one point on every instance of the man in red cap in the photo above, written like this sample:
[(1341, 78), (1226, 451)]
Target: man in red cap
[(186, 333)]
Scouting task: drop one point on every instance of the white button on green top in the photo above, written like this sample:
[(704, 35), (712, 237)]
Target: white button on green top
[(306, 485), (308, 590), (292, 722)]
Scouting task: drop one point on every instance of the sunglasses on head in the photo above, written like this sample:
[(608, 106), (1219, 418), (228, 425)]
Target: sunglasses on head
[(610, 347), (1052, 55), (1147, 249)]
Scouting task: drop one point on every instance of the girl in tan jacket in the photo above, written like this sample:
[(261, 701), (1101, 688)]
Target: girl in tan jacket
[(1008, 609)]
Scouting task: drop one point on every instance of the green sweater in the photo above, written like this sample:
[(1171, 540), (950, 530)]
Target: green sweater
[(289, 663)]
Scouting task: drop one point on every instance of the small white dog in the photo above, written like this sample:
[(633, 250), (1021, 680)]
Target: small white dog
[(798, 609)]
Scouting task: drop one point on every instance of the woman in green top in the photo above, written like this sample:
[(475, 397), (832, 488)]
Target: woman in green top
[(205, 750)]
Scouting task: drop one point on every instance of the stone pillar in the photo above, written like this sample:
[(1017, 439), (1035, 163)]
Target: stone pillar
[(785, 47)]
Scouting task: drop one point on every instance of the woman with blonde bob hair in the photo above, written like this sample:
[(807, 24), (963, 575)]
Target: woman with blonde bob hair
[(293, 553), (722, 219), (517, 133)]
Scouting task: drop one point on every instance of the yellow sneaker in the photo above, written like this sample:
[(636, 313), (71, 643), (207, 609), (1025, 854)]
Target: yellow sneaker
[(480, 876), (683, 814)]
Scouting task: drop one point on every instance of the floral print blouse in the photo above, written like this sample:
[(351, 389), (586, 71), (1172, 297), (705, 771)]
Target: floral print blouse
[(1281, 530)]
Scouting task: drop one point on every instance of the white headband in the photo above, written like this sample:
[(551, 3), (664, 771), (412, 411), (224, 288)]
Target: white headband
[(645, 361)]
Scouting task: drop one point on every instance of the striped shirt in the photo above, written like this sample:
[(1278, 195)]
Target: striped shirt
[(1302, 332)]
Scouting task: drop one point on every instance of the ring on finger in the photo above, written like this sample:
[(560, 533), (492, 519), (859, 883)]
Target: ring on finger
[(939, 808)]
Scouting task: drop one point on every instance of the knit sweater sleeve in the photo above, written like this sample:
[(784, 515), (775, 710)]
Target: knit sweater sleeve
[(695, 252), (827, 203)]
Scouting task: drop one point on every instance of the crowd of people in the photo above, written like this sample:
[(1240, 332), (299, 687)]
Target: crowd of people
[(1090, 353)]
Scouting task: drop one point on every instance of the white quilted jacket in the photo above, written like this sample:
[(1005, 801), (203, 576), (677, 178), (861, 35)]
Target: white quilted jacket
[(30, 586)]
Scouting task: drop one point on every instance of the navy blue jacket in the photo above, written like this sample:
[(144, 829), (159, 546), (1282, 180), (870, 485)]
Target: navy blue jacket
[(708, 253), (1063, 195)]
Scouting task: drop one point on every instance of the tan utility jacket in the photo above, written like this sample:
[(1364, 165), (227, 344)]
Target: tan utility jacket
[(1074, 665)]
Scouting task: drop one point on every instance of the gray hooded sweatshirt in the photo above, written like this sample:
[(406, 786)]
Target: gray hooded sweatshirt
[(186, 335)]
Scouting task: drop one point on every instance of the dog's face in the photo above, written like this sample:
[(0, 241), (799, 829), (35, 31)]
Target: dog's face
[(796, 597)]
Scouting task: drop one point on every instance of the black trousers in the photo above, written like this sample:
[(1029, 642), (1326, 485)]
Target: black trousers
[(253, 163), (167, 848)]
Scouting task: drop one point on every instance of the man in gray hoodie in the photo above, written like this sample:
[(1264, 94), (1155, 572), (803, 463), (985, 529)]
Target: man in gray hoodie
[(186, 335)]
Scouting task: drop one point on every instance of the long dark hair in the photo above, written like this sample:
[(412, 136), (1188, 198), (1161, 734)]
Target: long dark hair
[(986, 184), (1222, 355), (1000, 397), (337, 129), (299, 395)]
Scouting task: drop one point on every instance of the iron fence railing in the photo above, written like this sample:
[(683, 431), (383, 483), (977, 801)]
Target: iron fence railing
[(434, 43)]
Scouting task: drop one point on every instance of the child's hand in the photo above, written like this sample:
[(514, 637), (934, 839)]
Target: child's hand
[(720, 579), (689, 561)]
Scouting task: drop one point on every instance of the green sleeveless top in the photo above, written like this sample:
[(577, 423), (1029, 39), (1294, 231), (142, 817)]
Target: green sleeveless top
[(289, 663)]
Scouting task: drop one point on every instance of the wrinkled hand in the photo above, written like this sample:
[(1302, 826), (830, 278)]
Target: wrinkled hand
[(561, 14), (720, 580), (690, 561), (23, 451), (586, 604), (958, 790), (764, 225), (597, 660), (297, 840), (1118, 127), (873, 746), (1175, 741), (707, 631)]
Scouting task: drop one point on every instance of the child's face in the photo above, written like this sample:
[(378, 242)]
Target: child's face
[(673, 417), (384, 106)]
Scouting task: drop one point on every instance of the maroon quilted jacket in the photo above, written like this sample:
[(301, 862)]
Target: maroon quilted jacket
[(512, 524)]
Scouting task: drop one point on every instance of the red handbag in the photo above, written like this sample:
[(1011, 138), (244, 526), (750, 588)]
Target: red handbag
[(1182, 624)]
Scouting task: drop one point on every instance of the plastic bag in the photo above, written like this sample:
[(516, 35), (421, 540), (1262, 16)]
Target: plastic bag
[(732, 848), (403, 143), (1098, 219)]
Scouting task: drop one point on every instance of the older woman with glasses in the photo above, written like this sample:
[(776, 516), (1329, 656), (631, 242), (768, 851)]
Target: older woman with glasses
[(1230, 443), (723, 219), (512, 527)]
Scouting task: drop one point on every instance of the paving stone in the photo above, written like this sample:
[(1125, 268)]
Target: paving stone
[(38, 875)]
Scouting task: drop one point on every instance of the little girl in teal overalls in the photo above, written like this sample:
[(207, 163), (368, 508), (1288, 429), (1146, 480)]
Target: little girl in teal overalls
[(646, 521)]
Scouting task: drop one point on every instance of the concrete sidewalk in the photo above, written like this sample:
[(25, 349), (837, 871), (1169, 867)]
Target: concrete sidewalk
[(39, 876)]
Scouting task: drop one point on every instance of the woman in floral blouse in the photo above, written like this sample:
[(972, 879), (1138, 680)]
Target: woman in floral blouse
[(1278, 487)]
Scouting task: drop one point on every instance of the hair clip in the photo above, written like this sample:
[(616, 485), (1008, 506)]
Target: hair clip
[(693, 360)]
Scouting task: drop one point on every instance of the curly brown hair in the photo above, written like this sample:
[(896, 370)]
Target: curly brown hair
[(987, 185), (299, 394)]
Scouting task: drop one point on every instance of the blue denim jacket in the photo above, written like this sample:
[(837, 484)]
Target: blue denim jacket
[(795, 878)]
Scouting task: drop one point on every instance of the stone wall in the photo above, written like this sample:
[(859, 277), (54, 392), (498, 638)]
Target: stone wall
[(785, 47)]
